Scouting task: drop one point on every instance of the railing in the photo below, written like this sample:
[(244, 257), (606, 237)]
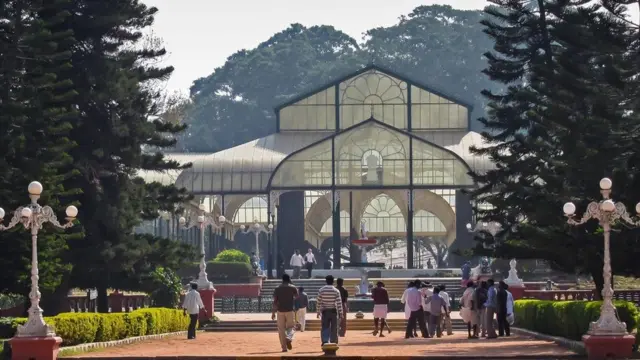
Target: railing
[(583, 295), (118, 302), (263, 304)]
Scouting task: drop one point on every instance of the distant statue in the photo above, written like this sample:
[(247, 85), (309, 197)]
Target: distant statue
[(513, 274), (363, 230), (372, 168)]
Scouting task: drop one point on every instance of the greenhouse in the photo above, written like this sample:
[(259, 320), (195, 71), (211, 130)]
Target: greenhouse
[(372, 148)]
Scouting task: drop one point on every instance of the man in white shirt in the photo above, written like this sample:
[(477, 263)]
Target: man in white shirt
[(426, 289), (296, 263), (192, 305), (309, 260), (446, 318)]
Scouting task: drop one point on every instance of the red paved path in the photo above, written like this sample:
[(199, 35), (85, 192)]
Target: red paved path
[(265, 344)]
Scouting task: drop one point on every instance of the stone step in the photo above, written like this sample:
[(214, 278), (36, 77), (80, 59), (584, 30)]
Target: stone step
[(315, 325)]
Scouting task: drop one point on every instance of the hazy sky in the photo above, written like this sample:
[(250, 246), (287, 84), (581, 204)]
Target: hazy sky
[(201, 34)]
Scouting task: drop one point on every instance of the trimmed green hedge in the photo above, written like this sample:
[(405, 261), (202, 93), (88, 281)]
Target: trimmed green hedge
[(568, 319), (83, 328)]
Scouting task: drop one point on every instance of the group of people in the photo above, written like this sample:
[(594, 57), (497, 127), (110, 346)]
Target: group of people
[(298, 261), (427, 308), (482, 302)]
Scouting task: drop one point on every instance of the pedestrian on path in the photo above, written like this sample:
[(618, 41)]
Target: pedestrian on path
[(329, 306), (283, 301), (446, 318), (490, 310), (502, 300), (437, 307), (414, 300), (310, 260), (296, 263), (469, 310), (192, 305), (380, 308), (407, 310), (301, 304), (344, 295)]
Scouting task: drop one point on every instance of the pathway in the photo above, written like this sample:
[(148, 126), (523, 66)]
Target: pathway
[(265, 344)]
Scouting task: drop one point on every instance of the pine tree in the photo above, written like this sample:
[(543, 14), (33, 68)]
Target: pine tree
[(555, 133), (116, 103), (35, 114)]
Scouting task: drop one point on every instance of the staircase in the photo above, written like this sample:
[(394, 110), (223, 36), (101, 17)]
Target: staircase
[(395, 287), (314, 325)]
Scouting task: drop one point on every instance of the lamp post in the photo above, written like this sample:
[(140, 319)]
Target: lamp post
[(607, 213), (257, 228), (203, 220), (32, 217)]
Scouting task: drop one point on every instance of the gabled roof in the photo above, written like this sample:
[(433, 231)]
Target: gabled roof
[(381, 69)]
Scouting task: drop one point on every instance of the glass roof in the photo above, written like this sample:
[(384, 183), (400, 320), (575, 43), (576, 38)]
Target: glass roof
[(371, 154), (374, 92)]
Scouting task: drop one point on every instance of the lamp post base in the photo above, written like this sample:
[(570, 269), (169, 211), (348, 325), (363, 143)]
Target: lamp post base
[(608, 347), (330, 349), (204, 284), (35, 348), (207, 296)]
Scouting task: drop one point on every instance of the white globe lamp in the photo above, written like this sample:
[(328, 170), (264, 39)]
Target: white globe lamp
[(608, 206), (569, 209), (71, 211), (35, 188), (606, 184), (26, 212)]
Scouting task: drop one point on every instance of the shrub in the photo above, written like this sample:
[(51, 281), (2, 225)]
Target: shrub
[(568, 319), (82, 328), (229, 270), (164, 288), (232, 255)]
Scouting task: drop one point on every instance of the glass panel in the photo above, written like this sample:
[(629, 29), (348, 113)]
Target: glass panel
[(435, 166), (383, 216), (327, 228), (372, 155), (425, 222), (253, 209), (317, 112), (430, 111), (307, 168), (373, 94)]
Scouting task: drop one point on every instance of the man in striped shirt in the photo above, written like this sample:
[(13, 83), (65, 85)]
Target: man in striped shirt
[(329, 305)]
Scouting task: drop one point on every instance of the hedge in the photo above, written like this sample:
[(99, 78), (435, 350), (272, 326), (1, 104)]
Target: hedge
[(83, 328), (568, 319)]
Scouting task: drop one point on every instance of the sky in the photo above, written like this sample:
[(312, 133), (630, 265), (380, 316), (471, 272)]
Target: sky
[(200, 34)]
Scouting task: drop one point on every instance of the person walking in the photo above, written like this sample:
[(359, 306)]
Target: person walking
[(446, 318), (511, 318), (414, 300), (329, 306), (490, 309), (283, 303), (502, 300), (407, 310), (469, 310), (301, 303), (380, 308), (427, 290), (192, 305), (296, 263), (437, 307), (481, 297), (344, 295), (309, 260)]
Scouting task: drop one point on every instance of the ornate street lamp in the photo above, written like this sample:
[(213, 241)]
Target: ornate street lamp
[(203, 220), (607, 213), (32, 217), (257, 228)]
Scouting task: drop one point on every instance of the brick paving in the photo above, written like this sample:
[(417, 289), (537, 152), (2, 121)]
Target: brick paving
[(357, 343)]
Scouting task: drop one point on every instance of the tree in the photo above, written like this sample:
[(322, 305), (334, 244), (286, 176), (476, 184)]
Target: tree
[(115, 132), (554, 132), (436, 247), (238, 98), (36, 109), (440, 46)]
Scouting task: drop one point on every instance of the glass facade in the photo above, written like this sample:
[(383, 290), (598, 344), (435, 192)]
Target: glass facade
[(376, 94), (371, 154)]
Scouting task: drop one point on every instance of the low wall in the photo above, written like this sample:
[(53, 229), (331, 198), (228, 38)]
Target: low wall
[(250, 290), (387, 274)]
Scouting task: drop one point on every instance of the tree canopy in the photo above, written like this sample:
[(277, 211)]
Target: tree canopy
[(436, 45)]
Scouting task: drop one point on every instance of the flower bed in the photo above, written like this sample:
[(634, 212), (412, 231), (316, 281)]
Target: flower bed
[(569, 319), (83, 328)]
